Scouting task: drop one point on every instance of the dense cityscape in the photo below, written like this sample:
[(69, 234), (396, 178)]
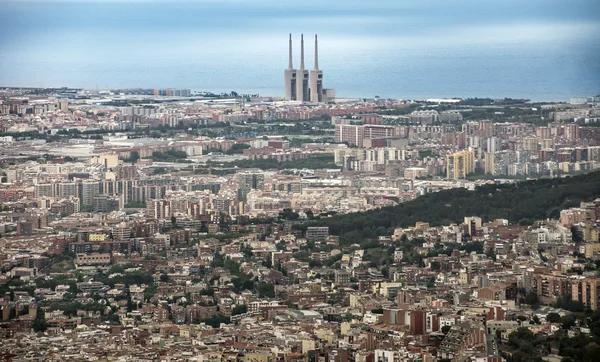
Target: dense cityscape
[(173, 225), (267, 181)]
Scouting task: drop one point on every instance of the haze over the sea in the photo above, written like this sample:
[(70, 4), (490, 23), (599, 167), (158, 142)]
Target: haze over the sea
[(537, 49)]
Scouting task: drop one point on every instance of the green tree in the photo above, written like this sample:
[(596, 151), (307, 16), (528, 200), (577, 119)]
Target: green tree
[(520, 336), (531, 299), (385, 271), (232, 266), (149, 292), (239, 309), (288, 214), (565, 302), (314, 264), (159, 171), (553, 317), (134, 156), (208, 292), (265, 290), (525, 222), (40, 324), (218, 261), (215, 321), (568, 321), (237, 148)]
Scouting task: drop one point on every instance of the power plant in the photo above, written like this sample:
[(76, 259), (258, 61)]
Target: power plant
[(302, 85)]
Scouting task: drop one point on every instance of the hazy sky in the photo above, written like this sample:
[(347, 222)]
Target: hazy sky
[(231, 43)]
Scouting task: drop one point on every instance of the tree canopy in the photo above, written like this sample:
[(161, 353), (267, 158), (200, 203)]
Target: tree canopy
[(533, 200)]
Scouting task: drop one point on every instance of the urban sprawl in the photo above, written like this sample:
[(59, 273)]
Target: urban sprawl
[(172, 225)]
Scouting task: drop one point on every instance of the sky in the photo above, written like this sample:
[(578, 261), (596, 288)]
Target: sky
[(540, 48)]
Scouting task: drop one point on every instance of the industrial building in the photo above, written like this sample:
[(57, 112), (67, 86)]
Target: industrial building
[(302, 85)]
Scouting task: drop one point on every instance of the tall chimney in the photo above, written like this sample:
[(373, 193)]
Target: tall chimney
[(290, 61), (302, 51), (316, 53)]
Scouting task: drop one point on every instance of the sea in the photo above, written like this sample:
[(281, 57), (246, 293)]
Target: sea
[(543, 50)]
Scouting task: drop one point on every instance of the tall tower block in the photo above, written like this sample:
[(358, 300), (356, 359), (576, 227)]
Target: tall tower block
[(290, 77), (316, 78), (302, 90)]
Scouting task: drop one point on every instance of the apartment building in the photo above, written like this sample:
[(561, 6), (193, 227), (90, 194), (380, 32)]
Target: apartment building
[(460, 164)]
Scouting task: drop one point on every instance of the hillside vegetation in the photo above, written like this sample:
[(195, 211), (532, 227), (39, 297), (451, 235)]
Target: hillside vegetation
[(529, 200)]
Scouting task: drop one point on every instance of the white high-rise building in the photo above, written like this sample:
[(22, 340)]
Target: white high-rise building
[(493, 144)]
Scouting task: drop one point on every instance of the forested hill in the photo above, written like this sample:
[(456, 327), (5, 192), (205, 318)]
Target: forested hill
[(529, 200)]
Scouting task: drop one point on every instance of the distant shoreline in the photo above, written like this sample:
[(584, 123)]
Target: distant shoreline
[(196, 92)]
